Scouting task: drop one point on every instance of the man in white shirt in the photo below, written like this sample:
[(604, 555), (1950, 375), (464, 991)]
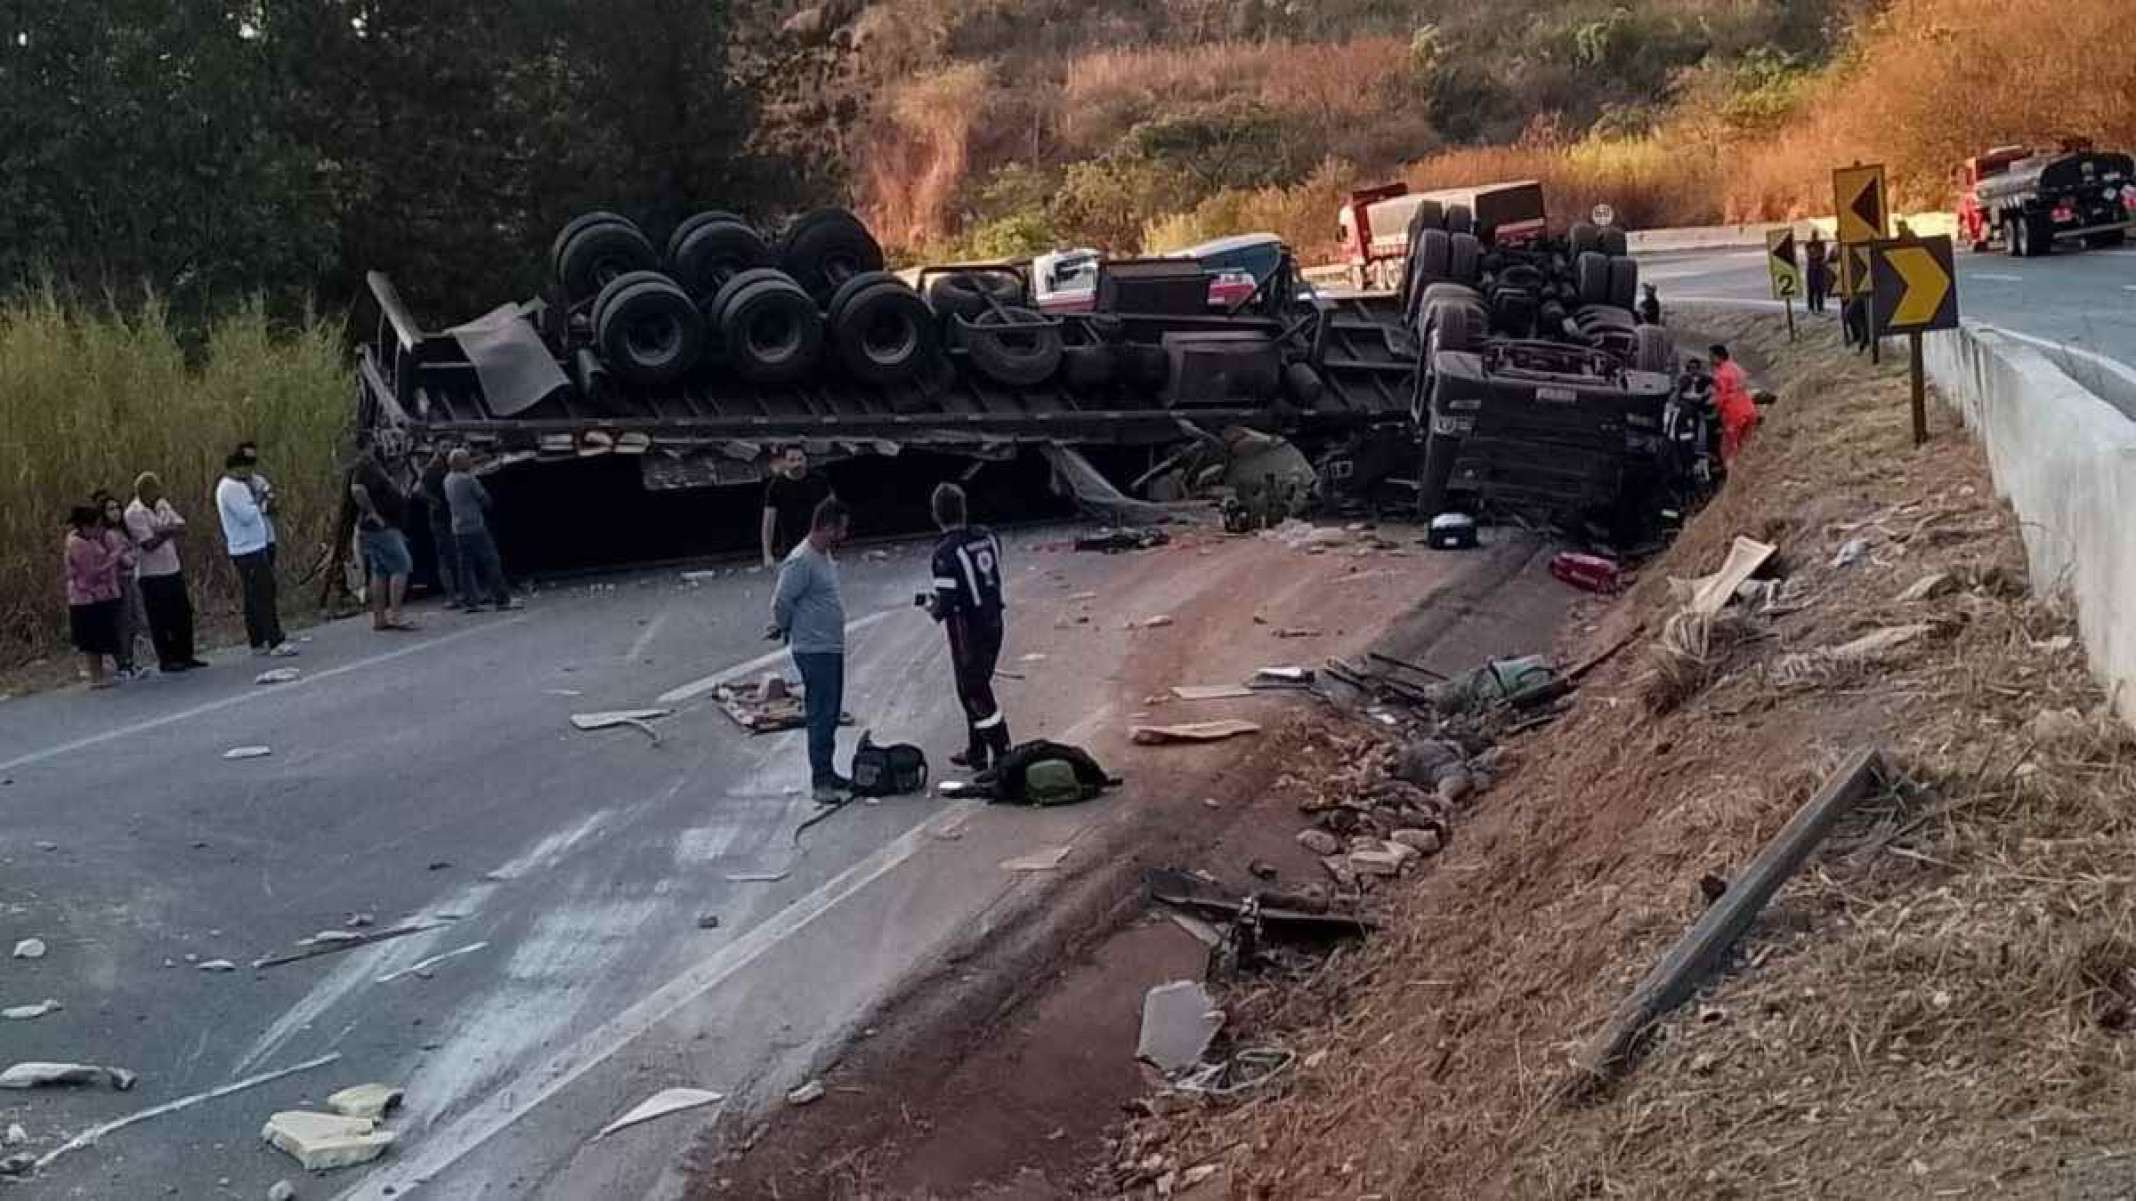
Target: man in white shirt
[(262, 492), (246, 534), (156, 528)]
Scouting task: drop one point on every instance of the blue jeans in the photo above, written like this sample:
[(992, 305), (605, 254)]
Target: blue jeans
[(823, 694), (481, 573)]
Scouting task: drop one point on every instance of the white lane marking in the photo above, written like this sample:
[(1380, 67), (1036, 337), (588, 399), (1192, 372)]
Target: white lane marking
[(697, 688), (89, 1137), (645, 638), (1998, 278), (2128, 287), (250, 694), (513, 1099)]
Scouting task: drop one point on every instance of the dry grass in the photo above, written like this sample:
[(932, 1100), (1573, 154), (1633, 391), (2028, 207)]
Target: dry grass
[(1937, 1005), (89, 399), (1933, 81), (921, 147)]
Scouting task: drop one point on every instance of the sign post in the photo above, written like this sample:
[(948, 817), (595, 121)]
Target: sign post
[(1787, 276), (1914, 290), (1858, 200)]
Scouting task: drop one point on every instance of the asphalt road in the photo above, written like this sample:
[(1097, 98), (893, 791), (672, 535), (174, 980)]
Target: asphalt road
[(2079, 306), (434, 778)]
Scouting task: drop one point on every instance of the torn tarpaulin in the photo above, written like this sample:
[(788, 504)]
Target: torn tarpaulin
[(1079, 478)]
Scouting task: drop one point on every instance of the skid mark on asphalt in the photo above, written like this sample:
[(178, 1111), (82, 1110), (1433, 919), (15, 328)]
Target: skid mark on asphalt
[(513, 1098)]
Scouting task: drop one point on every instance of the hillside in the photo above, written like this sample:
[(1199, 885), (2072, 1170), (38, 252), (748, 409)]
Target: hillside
[(996, 129)]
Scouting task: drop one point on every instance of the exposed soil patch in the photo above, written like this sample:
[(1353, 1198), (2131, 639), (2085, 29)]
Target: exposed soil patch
[(1000, 1078), (1935, 1005)]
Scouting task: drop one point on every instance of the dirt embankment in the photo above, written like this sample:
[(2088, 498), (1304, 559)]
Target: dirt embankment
[(1938, 1004)]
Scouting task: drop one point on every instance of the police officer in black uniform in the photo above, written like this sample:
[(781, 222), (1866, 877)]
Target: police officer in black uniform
[(967, 601)]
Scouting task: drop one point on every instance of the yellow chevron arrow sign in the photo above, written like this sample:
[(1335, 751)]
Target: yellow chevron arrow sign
[(1914, 285)]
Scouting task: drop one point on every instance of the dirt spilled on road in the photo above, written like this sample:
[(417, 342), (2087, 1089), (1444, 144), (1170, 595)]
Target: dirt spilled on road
[(1936, 1005), (1000, 1076)]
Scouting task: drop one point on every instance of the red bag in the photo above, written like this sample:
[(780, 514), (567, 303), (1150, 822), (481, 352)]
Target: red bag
[(1592, 572)]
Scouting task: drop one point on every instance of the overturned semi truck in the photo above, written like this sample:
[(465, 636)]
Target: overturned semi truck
[(685, 365)]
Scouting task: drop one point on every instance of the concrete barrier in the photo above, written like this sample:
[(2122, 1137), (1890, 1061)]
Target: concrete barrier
[(2065, 459), (1718, 237)]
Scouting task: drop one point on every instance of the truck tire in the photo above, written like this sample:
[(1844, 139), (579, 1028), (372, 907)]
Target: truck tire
[(772, 330), (965, 293), (1427, 266), (1464, 263), (1088, 368), (1612, 241), (688, 225), (715, 314), (826, 247), (2039, 238), (1653, 350), (571, 229), (1303, 385), (649, 332), (598, 254), (1452, 325), (1624, 282), (1460, 219), (1446, 291), (600, 302), (1016, 358), (1583, 238), (1430, 214), (1591, 277), (883, 331), (714, 252)]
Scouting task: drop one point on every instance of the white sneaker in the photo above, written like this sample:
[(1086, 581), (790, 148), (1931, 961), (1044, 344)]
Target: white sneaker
[(282, 650)]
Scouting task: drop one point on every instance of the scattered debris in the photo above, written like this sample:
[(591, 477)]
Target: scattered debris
[(637, 719), (1451, 531), (1850, 552), (765, 707), (806, 1094), (1319, 841), (1210, 692), (1247, 1071), (1037, 861), (330, 938), (319, 944), (1709, 594), (659, 1105), (1424, 842), (30, 948), (279, 675), (561, 692), (1113, 540), (17, 1165), (89, 1137), (1151, 623), (218, 965), (1179, 1021), (24, 1013), (1592, 573), (365, 1101), (1297, 632), (324, 1141), (1202, 931), (1706, 944), (248, 752), (1423, 761), (1203, 731), (1033, 657), (16, 1135), (423, 968), (1082, 598), (281, 1190), (708, 921), (35, 1074), (1928, 587), (757, 877)]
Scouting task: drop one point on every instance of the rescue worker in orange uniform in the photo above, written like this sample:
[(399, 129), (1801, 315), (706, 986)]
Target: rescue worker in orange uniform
[(1732, 400)]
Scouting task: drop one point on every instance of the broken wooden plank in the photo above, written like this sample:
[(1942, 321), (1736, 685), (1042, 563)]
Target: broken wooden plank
[(1703, 948), (1199, 731), (1406, 665), (313, 949), (1210, 692)]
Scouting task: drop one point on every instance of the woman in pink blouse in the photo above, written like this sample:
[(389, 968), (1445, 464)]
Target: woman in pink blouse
[(94, 557)]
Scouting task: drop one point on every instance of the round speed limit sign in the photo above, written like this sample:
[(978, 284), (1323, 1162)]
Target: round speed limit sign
[(1604, 215)]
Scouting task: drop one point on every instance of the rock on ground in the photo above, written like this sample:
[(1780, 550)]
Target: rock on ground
[(365, 1101), (321, 1141)]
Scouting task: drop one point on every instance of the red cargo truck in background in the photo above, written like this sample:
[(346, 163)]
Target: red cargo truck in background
[(1375, 223)]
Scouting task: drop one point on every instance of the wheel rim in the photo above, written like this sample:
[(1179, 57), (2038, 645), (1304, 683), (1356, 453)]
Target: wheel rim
[(774, 335), (889, 337), (653, 339)]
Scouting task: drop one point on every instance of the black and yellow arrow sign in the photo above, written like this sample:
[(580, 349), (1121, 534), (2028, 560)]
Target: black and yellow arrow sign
[(1916, 286), (1854, 270), (1780, 261), (1858, 199)]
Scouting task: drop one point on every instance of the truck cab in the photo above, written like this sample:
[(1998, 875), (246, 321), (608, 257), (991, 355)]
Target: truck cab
[(2031, 200)]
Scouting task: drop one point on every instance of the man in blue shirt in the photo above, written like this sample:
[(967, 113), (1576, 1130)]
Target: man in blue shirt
[(808, 614)]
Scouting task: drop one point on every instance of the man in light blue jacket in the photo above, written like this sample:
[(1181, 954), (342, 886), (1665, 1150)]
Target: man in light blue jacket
[(809, 616)]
